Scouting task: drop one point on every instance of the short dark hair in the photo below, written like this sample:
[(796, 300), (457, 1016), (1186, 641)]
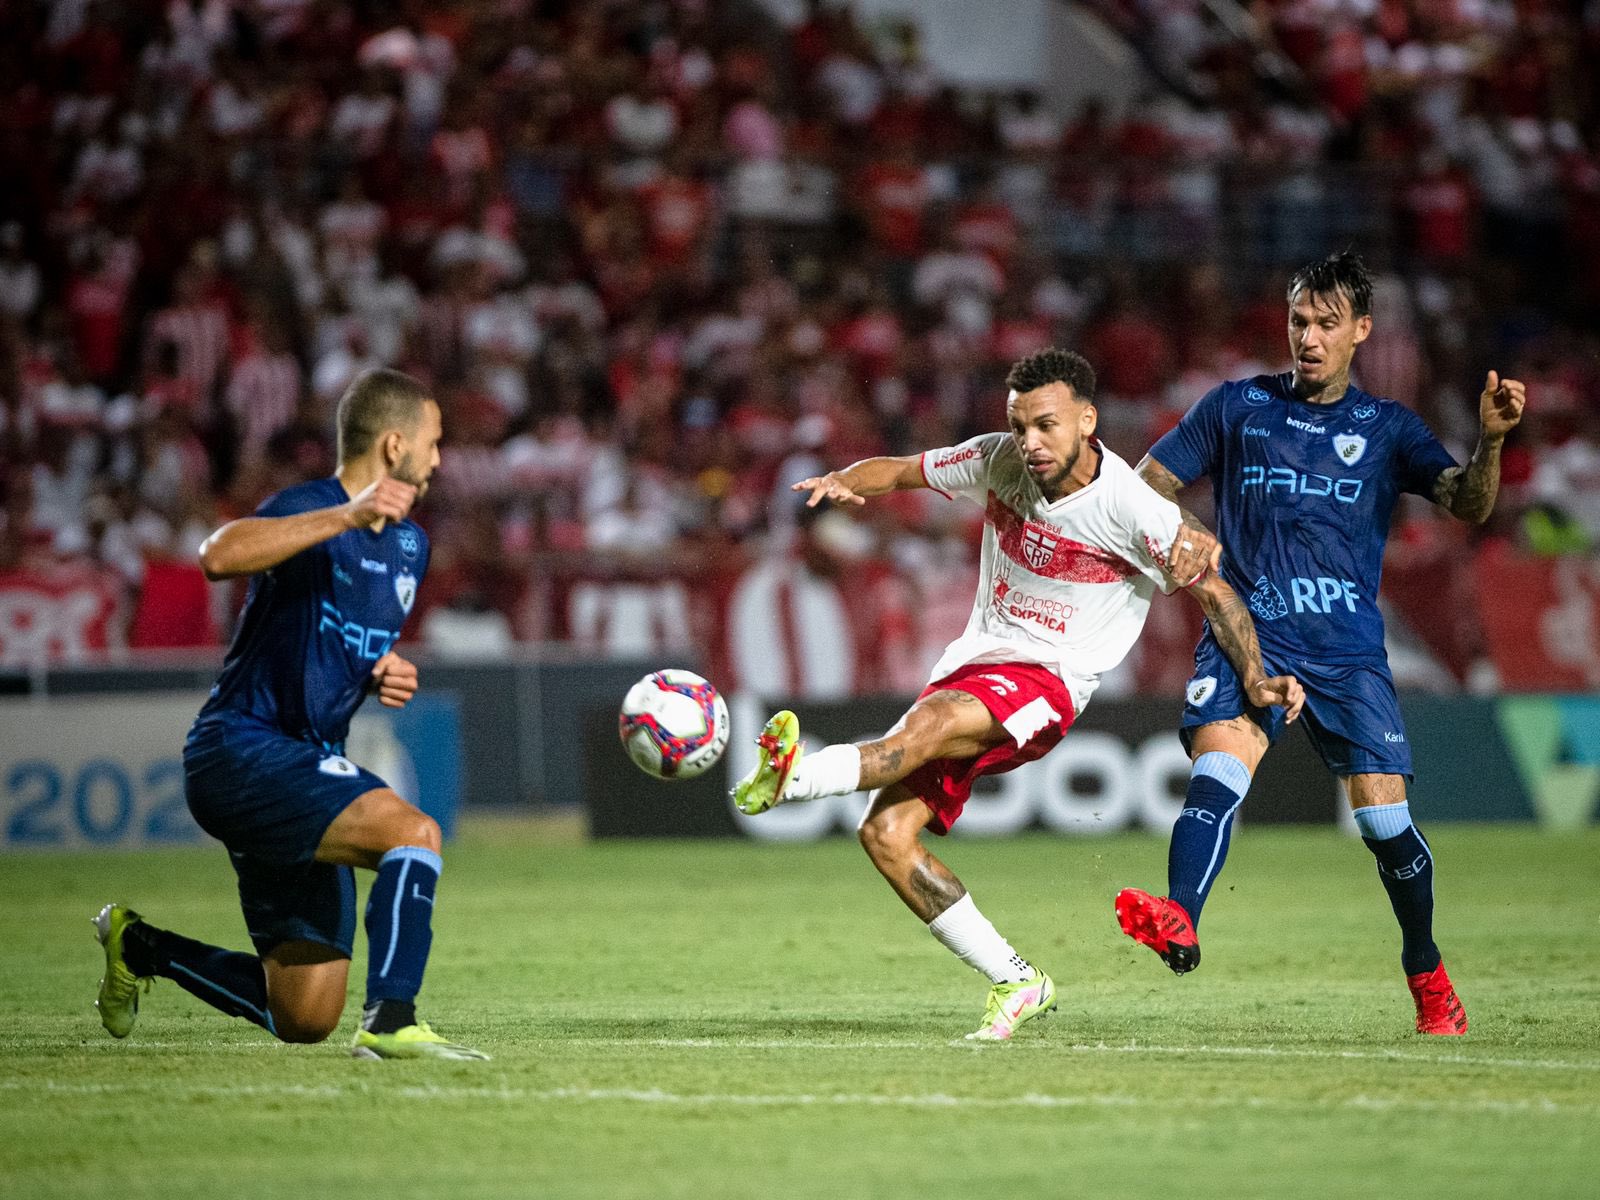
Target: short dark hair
[(1342, 273), (375, 402), (1053, 366)]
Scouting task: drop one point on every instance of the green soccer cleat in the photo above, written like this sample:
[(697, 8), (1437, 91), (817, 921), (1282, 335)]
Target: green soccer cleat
[(412, 1041), (780, 754), (1010, 1004), (118, 1001)]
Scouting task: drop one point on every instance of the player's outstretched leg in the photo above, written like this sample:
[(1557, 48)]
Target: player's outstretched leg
[(890, 834), (136, 952), (946, 723), (1170, 924), (1405, 866)]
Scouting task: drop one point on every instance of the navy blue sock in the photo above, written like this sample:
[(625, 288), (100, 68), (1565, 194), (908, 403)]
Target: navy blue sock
[(229, 980), (1217, 784), (1405, 864), (400, 923)]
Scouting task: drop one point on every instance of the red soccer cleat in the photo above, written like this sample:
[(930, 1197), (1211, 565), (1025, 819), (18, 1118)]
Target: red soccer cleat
[(1161, 924), (1439, 1009)]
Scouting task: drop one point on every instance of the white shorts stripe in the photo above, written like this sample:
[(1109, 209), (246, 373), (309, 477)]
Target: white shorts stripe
[(1028, 720)]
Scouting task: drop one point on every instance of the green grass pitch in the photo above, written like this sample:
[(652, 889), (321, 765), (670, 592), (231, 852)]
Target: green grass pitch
[(735, 1020)]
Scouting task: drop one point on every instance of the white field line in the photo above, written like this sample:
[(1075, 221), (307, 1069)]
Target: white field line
[(1044, 1045), (507, 1094), (1029, 1045)]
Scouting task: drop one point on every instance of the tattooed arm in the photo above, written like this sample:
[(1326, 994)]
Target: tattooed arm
[(1236, 634), (1190, 557), (1469, 492)]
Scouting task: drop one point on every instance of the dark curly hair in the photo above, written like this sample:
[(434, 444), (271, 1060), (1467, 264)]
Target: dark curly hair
[(1053, 366), (1339, 274)]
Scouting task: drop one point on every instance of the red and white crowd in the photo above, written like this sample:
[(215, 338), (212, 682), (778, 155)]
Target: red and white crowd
[(659, 258)]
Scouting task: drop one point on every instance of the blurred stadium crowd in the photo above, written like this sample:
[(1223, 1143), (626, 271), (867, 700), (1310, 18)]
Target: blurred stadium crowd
[(660, 258)]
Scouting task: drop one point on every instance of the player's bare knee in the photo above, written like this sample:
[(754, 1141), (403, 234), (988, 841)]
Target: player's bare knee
[(885, 836), (305, 1027), (424, 832)]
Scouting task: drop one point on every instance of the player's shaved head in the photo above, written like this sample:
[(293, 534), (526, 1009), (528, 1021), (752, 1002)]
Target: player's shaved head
[(1053, 366), (1341, 274), (376, 402)]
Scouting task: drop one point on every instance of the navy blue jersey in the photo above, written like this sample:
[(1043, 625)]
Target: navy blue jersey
[(1304, 494), (314, 624)]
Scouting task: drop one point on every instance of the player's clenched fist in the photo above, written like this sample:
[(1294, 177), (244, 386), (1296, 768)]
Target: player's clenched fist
[(1194, 551), (394, 679), (1278, 689), (1500, 405), (385, 499), (828, 487)]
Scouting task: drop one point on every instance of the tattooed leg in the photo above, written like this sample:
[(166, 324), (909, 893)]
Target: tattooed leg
[(947, 724), (890, 834)]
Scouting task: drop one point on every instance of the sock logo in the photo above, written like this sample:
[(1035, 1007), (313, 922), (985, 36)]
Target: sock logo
[(416, 894), (1410, 871), (1204, 815)]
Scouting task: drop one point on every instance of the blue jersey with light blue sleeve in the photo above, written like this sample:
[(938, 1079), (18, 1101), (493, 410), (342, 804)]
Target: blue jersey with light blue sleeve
[(1304, 495), (314, 625)]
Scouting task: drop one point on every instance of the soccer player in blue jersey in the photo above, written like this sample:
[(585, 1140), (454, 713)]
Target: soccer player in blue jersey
[(334, 567), (1306, 469)]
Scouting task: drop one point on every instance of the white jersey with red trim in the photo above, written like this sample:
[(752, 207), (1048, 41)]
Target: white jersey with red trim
[(1065, 584)]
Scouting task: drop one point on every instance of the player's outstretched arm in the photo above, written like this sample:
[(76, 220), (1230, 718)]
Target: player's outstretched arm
[(1469, 492), (1235, 632), (1186, 559), (253, 544), (869, 477)]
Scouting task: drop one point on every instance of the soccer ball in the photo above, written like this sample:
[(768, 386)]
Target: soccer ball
[(673, 724)]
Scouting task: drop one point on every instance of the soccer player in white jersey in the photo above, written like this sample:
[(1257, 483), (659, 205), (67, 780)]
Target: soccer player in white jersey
[(1074, 545)]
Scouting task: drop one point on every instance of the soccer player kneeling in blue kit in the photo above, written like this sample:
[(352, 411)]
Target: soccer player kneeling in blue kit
[(334, 566)]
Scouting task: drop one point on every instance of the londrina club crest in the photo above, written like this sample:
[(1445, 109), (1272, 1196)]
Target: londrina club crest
[(1350, 447), (405, 589)]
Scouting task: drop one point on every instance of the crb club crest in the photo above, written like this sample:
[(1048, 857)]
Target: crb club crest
[(405, 590), (1038, 547), (1350, 447)]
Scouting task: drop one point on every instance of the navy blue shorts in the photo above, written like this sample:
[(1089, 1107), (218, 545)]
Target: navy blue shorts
[(269, 799), (1352, 714)]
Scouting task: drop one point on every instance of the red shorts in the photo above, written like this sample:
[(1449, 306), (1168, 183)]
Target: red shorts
[(1031, 702)]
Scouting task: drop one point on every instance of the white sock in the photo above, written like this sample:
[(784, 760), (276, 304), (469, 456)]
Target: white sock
[(831, 771), (966, 932)]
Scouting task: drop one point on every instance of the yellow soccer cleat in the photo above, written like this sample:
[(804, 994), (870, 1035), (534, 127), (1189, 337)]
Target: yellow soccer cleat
[(780, 754), (1010, 1004), (118, 1001), (411, 1041)]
